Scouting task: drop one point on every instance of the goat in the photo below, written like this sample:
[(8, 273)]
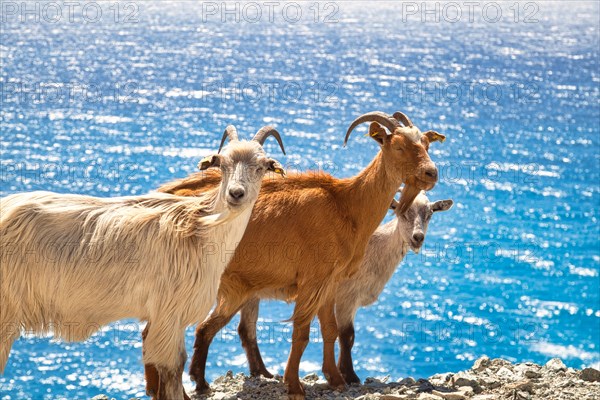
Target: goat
[(315, 229), (385, 251), (72, 263)]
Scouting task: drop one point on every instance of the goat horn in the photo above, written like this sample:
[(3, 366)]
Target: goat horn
[(400, 116), (231, 133), (266, 131), (390, 123)]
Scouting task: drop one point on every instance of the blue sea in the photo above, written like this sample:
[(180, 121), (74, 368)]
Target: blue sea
[(116, 98)]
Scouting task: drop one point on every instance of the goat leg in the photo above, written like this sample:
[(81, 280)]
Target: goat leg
[(300, 337), (247, 332), (205, 333), (151, 373), (346, 333), (329, 331)]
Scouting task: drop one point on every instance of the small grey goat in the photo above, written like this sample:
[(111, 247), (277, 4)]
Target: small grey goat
[(385, 251)]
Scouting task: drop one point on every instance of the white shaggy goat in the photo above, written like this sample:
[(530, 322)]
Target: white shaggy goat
[(72, 263)]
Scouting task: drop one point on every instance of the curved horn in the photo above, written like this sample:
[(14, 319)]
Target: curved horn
[(231, 133), (403, 118), (266, 131), (390, 123)]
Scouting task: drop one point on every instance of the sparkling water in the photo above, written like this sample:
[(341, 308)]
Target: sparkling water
[(116, 98)]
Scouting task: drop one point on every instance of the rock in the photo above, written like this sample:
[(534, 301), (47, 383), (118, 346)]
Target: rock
[(532, 374), (505, 373), (499, 380), (466, 379), (466, 390), (556, 365), (429, 396), (407, 381), (449, 395), (490, 382), (590, 375), (527, 370), (523, 386), (101, 397), (481, 363), (374, 382), (440, 379), (311, 377), (424, 386), (499, 362)]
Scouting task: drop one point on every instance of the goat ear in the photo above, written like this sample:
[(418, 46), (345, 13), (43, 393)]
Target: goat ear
[(208, 162), (433, 136), (442, 205), (274, 166), (377, 132), (394, 204)]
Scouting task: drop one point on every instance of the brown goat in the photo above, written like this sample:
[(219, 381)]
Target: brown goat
[(306, 233)]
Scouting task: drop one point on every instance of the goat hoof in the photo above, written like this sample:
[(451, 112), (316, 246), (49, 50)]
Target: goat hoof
[(341, 387), (296, 391), (351, 378), (261, 372), (203, 388)]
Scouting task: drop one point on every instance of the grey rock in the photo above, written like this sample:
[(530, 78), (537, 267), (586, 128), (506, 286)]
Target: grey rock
[(466, 390), (424, 386), (527, 370), (481, 363), (556, 365), (429, 396), (409, 381), (532, 374), (311, 377), (441, 379), (590, 375), (506, 373), (490, 382), (466, 379), (521, 386), (497, 363), (374, 382), (449, 395), (101, 397)]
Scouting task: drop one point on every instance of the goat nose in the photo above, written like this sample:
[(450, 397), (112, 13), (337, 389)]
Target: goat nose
[(432, 174), (237, 193), (418, 237)]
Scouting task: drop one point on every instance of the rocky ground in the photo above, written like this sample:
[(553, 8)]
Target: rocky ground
[(486, 380)]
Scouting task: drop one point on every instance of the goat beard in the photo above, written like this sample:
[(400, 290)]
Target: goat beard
[(409, 193)]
